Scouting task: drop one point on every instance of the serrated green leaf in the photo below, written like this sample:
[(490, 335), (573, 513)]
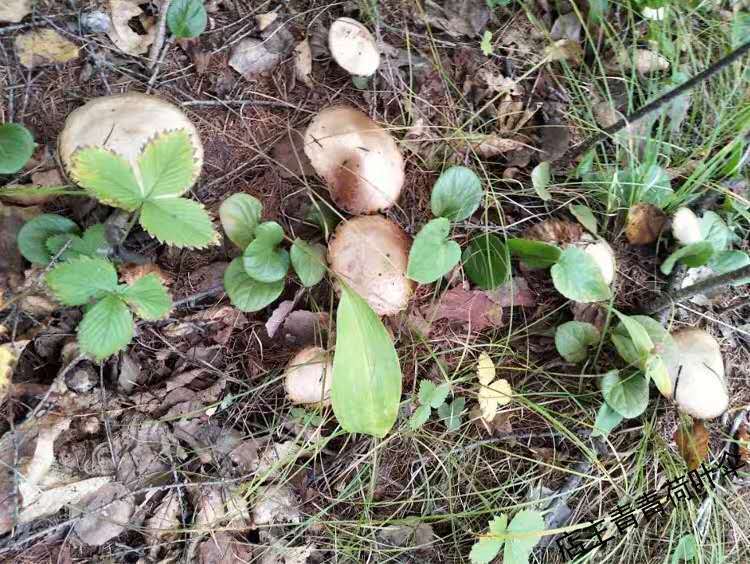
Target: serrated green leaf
[(518, 548), (262, 259), (432, 395), (78, 281), (107, 177), (16, 147), (167, 165), (577, 277), (656, 370), (540, 178), (486, 43), (247, 294), (93, 243), (628, 396), (572, 340), (716, 231), (488, 547), (106, 328), (534, 254), (148, 297), (187, 18), (240, 216), (419, 417), (729, 261), (33, 236), (450, 413), (456, 194), (606, 420), (693, 255), (585, 217), (308, 261), (432, 253), (487, 261), (179, 222)]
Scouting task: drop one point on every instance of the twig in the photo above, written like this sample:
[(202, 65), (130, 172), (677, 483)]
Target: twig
[(211, 103), (161, 32), (190, 300)]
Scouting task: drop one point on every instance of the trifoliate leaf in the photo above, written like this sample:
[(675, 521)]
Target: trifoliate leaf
[(106, 328), (577, 277), (246, 293), (606, 420), (33, 236), (432, 253), (78, 281), (16, 147), (262, 259), (148, 297), (240, 216), (493, 395), (450, 413), (572, 340), (655, 369), (419, 417), (485, 369), (693, 255), (308, 261), (487, 547), (107, 177), (585, 217), (93, 243), (518, 548), (187, 18), (167, 165), (456, 194), (432, 395), (627, 395), (487, 261), (540, 178), (534, 254), (179, 222)]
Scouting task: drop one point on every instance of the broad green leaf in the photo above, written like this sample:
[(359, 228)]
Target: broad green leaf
[(187, 18), (167, 165), (179, 222), (487, 261), (33, 236), (366, 387), (716, 231), (518, 549), (247, 294), (585, 217), (628, 396), (450, 413), (93, 243), (419, 417), (77, 281), (656, 370), (107, 177), (488, 547), (240, 216), (432, 395), (729, 261), (16, 147), (324, 216), (262, 259), (687, 547), (432, 253), (577, 277), (740, 28), (572, 340), (606, 420), (540, 178), (308, 261), (649, 184), (693, 255), (534, 254), (456, 194), (637, 344), (106, 328), (148, 297)]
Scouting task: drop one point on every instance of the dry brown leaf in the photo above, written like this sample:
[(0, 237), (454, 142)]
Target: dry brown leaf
[(222, 548), (743, 439), (513, 293), (44, 47), (14, 11), (462, 17), (644, 224), (251, 58), (692, 443), (289, 155), (564, 50), (555, 231), (163, 526), (104, 514), (131, 272), (120, 33), (264, 20), (488, 146), (472, 307), (303, 62)]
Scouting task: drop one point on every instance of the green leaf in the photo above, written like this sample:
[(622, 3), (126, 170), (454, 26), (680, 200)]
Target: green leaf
[(585, 217), (106, 328), (534, 254), (456, 194), (577, 277), (687, 546), (649, 184), (695, 254), (518, 549), (487, 261), (366, 387), (729, 261), (94, 243), (308, 261), (450, 413), (246, 293), (16, 147), (740, 28), (716, 231), (179, 222), (606, 420), (262, 260), (148, 297), (187, 18), (240, 216), (432, 253), (656, 370), (486, 44), (419, 417), (167, 165), (627, 396), (324, 216), (487, 548), (77, 281), (637, 344), (432, 395), (107, 177), (33, 236), (540, 178), (572, 340)]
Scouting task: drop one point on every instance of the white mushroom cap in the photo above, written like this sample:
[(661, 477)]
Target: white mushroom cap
[(353, 47), (370, 254), (123, 123), (686, 227), (604, 257), (307, 378), (696, 369), (358, 159)]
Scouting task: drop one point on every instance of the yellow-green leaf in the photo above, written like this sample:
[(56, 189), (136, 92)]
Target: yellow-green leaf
[(107, 177)]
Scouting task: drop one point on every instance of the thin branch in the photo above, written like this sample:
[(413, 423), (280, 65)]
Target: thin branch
[(161, 32)]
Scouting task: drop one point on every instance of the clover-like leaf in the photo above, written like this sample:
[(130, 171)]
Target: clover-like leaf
[(456, 194), (16, 147), (248, 294), (519, 542), (627, 395), (32, 237), (693, 255), (187, 18), (432, 253), (487, 261), (107, 177), (540, 178), (148, 297), (262, 259), (606, 420), (432, 395), (577, 277), (179, 222), (488, 546), (106, 328), (240, 216), (308, 261), (572, 340), (585, 217), (78, 281), (534, 254), (167, 165), (450, 413)]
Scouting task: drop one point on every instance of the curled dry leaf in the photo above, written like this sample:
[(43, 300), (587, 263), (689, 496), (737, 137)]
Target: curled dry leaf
[(14, 11), (303, 62), (488, 146), (163, 526), (644, 224), (463, 17), (44, 47), (120, 32), (692, 443), (276, 504)]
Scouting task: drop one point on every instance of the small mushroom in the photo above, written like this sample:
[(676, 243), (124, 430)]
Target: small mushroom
[(604, 257), (370, 254), (358, 159), (696, 369), (123, 123), (307, 378), (686, 227), (353, 47)]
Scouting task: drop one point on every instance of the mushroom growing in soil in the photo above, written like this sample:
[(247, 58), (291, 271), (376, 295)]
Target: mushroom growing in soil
[(358, 159), (604, 257), (696, 369), (307, 378), (686, 227), (123, 123), (370, 254), (353, 47)]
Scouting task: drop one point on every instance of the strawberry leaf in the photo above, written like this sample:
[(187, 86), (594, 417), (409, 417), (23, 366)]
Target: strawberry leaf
[(179, 222), (78, 281), (106, 328), (93, 244), (148, 297), (107, 177), (33, 236), (167, 165)]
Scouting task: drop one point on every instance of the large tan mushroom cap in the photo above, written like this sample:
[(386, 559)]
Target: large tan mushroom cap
[(358, 159), (696, 369), (686, 227), (307, 378), (353, 47), (370, 254), (123, 123)]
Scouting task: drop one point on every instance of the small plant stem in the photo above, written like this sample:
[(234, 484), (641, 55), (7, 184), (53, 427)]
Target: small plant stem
[(161, 32), (128, 228)]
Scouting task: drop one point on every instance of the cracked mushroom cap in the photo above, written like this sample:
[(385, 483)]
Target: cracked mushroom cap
[(307, 378), (353, 47), (123, 123), (370, 254), (696, 369), (358, 159)]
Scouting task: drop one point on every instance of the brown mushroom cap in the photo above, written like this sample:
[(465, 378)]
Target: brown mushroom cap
[(353, 47), (370, 254), (123, 123), (358, 159), (307, 378)]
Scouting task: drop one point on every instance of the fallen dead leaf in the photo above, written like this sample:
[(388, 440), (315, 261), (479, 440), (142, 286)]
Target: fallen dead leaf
[(104, 514), (555, 231), (644, 224), (251, 58), (289, 155), (278, 317), (472, 307), (463, 17), (303, 62), (564, 50), (554, 140), (406, 536), (644, 61), (278, 553), (493, 392), (303, 327), (163, 526), (14, 11), (488, 146), (131, 272), (276, 504), (222, 548), (692, 443), (513, 293), (120, 33), (44, 47), (264, 20)]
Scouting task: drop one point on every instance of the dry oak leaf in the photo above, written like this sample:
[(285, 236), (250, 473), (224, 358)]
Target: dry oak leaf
[(131, 272), (644, 224), (120, 33), (44, 47), (692, 443), (14, 11), (473, 307), (493, 393)]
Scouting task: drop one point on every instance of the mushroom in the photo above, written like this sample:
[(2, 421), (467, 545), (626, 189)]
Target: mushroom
[(370, 254), (604, 257), (353, 47), (307, 378), (686, 227), (358, 159), (696, 369), (123, 123)]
